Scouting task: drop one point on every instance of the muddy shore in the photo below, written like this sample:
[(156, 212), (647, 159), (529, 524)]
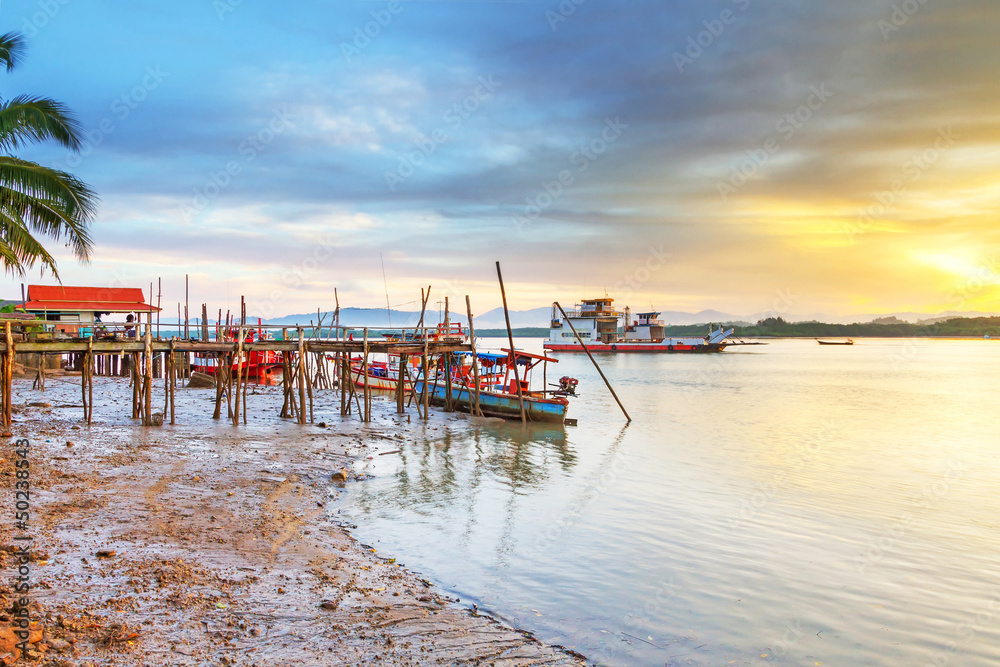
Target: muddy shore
[(203, 543)]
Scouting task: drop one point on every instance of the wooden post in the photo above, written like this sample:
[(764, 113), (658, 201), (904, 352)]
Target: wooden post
[(345, 372), (148, 396), (401, 383), (159, 294), (219, 359), (302, 376), (423, 308), (427, 380), (239, 377), (204, 322), (173, 381), (513, 352), (8, 373), (309, 386), (134, 363), (580, 340), (368, 396), (473, 399), (187, 331)]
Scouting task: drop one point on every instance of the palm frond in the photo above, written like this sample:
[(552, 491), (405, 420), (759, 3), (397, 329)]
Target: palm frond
[(26, 119), (73, 196), (11, 49), (19, 249)]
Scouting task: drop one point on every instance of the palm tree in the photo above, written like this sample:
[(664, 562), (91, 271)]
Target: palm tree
[(37, 200)]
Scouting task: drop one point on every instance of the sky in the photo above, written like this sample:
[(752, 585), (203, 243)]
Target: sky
[(737, 155)]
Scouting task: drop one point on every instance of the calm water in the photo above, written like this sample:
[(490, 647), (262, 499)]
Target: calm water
[(781, 504)]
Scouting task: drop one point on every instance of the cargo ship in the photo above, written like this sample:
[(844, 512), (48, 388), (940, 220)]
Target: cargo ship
[(604, 329)]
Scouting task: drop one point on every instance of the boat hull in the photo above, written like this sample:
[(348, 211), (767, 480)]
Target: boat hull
[(497, 404), (377, 382), (680, 346)]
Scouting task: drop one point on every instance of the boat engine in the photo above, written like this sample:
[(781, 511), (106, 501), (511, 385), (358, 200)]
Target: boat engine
[(568, 384)]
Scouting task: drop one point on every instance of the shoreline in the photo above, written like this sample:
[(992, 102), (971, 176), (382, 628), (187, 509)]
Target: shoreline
[(221, 545)]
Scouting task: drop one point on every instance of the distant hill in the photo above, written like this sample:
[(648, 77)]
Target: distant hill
[(894, 328)]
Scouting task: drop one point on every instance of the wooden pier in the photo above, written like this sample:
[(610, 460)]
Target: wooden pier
[(305, 364)]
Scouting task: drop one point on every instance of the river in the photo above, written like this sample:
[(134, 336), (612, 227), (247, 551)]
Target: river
[(787, 504)]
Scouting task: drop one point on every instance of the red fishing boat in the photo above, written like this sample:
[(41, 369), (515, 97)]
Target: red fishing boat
[(261, 367)]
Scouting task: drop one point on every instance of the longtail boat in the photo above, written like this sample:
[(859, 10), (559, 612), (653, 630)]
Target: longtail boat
[(384, 375), (497, 388)]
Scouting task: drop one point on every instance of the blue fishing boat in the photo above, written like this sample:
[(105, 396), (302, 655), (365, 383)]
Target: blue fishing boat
[(497, 394)]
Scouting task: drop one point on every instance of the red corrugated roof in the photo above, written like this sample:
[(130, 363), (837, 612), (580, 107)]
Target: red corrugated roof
[(100, 299)]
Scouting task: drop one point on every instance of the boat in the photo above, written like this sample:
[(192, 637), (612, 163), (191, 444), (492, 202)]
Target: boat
[(604, 329), (835, 342), (384, 375), (497, 388), (260, 366)]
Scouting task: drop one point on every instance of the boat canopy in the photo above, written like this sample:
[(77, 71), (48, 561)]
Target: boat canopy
[(525, 358)]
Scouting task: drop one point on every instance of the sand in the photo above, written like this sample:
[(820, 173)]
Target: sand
[(207, 544)]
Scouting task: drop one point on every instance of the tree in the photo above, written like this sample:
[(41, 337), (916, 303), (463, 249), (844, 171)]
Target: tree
[(37, 200)]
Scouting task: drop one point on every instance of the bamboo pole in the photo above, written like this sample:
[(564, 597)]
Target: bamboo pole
[(580, 340), (513, 353), (474, 407)]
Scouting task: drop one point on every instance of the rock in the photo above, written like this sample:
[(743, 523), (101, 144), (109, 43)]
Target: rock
[(69, 443), (105, 553), (321, 425), (328, 604), (340, 476), (201, 381), (156, 418), (57, 644), (39, 404)]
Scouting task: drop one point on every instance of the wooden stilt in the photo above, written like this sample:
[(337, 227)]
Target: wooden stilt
[(134, 363), (173, 381), (427, 379), (8, 376), (345, 373), (239, 377), (368, 394), (309, 387), (219, 378), (401, 384), (148, 399), (474, 394), (302, 377), (513, 354)]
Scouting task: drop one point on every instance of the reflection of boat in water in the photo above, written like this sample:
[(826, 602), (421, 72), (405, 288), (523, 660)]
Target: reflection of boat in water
[(261, 367), (598, 324), (497, 394), (835, 342)]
